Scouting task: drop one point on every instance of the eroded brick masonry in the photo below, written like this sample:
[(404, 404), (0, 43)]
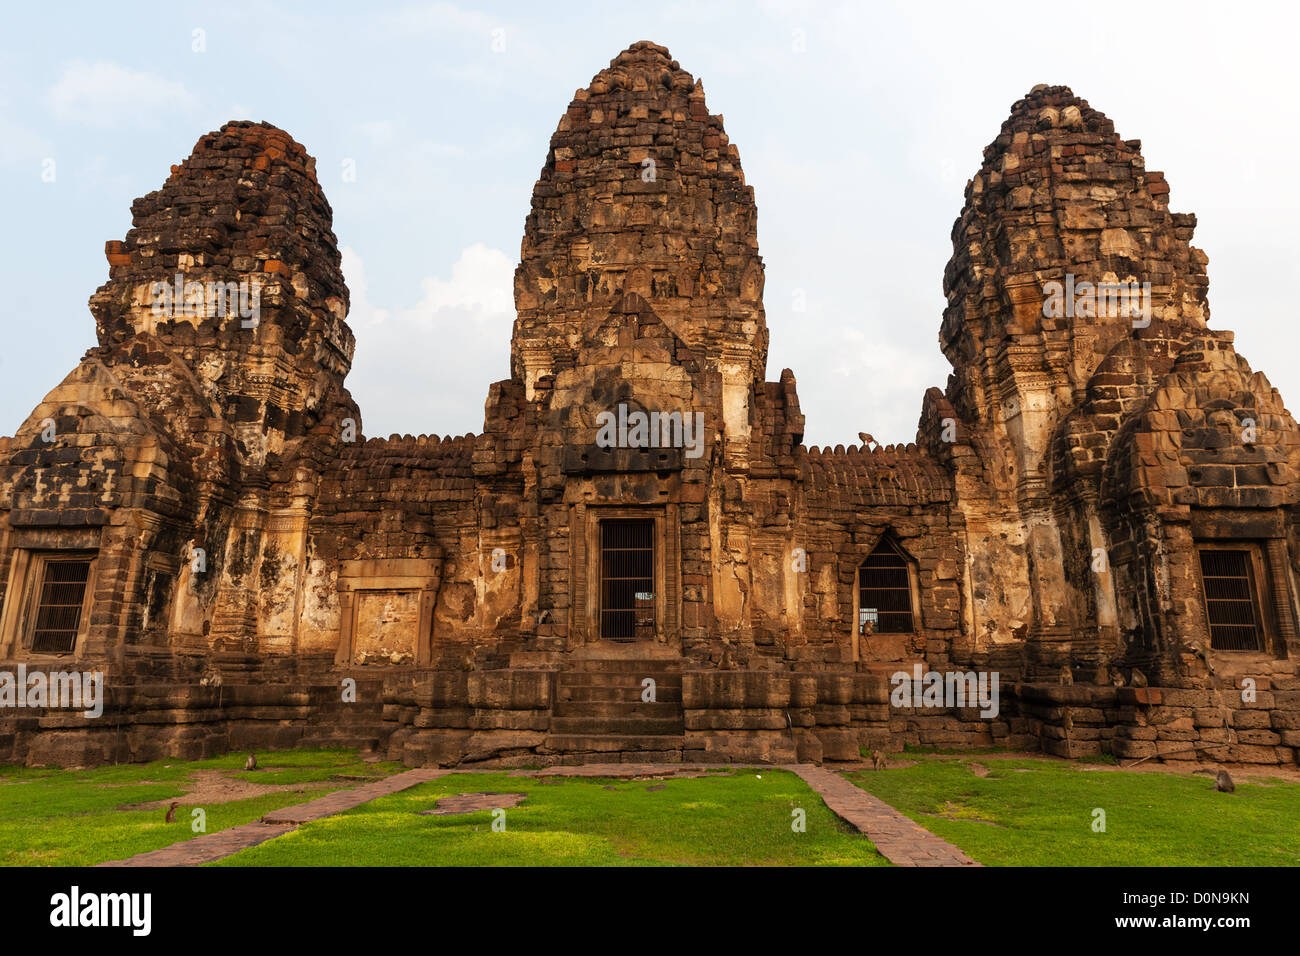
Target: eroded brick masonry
[(1101, 506)]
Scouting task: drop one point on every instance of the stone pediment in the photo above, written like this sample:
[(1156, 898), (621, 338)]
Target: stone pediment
[(633, 332)]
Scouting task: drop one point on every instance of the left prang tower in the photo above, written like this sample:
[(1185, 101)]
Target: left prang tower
[(173, 467)]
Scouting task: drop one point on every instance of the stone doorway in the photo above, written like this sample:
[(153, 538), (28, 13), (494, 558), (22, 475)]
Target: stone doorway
[(627, 579)]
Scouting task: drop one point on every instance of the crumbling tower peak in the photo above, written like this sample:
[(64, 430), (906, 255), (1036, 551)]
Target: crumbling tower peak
[(643, 68), (233, 267), (644, 52), (1057, 114), (641, 192), (1075, 202), (245, 202)]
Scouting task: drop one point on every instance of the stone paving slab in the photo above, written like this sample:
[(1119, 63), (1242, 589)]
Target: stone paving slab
[(215, 846), (899, 839), (473, 803)]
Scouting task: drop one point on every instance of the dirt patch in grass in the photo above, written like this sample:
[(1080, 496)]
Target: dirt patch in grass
[(213, 786), (959, 811)]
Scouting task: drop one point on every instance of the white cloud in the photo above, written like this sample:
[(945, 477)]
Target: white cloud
[(426, 369), (481, 286), (363, 313), (482, 282), (106, 94)]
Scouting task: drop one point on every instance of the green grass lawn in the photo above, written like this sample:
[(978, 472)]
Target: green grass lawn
[(741, 819), (1039, 812), (72, 817), (1023, 811)]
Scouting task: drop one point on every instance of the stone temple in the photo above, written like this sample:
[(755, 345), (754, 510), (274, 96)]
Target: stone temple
[(1100, 506)]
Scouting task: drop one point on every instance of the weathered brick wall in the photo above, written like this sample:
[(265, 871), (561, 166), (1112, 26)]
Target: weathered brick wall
[(850, 499)]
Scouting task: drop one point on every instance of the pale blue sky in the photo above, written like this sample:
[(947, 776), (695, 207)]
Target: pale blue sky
[(858, 147)]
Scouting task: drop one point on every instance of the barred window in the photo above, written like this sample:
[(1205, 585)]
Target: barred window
[(1231, 601), (885, 592), (58, 609)]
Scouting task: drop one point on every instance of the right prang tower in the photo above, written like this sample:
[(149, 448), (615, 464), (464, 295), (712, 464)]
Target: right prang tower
[(1128, 484)]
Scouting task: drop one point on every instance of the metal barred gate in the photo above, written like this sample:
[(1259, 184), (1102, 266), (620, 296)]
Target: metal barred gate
[(627, 579)]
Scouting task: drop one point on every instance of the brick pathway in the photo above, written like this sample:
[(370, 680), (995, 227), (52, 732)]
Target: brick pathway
[(214, 846), (899, 839)]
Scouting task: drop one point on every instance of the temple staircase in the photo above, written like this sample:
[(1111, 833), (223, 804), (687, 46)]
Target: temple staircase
[(601, 714)]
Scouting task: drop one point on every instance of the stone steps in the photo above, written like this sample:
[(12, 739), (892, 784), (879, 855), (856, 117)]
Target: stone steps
[(630, 726), (349, 713), (339, 741), (637, 674), (627, 695), (643, 746), (616, 708), (528, 660), (645, 667), (887, 669), (599, 709)]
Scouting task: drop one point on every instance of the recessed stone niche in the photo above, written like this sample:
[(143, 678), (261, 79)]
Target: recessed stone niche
[(386, 610)]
